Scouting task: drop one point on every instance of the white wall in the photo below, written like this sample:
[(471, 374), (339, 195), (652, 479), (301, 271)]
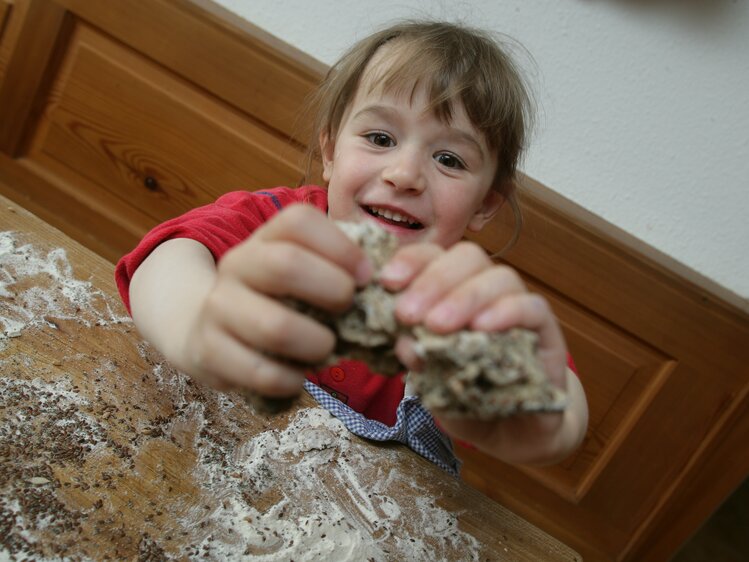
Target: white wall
[(645, 106)]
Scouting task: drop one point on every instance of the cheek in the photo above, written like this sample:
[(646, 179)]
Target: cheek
[(453, 215), (341, 204)]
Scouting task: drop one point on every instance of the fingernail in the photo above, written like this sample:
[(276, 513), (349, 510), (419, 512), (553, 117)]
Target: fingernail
[(395, 272)]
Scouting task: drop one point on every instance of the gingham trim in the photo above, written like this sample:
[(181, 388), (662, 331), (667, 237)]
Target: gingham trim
[(414, 426)]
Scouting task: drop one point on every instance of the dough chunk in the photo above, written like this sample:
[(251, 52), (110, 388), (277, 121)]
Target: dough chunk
[(466, 373)]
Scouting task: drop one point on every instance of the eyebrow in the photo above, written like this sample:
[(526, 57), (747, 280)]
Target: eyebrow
[(384, 111)]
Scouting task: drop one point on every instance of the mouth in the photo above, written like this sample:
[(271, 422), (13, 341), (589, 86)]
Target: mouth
[(394, 218)]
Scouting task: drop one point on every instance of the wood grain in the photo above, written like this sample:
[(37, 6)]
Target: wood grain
[(239, 66), (157, 145), (127, 478), (40, 24)]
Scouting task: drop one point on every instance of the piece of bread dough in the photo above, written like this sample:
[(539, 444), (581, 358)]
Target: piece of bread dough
[(466, 373)]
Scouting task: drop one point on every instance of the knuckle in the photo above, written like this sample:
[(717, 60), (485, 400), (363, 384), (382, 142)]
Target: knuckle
[(212, 304), (472, 251), (233, 261), (509, 274), (341, 294), (297, 214), (230, 260), (256, 365), (470, 248), (204, 354), (281, 259), (539, 303), (275, 332)]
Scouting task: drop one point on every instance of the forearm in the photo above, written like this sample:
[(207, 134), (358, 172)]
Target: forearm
[(167, 292)]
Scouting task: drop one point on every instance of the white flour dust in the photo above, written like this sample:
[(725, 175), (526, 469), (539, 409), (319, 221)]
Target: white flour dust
[(43, 425), (309, 493), (37, 288)]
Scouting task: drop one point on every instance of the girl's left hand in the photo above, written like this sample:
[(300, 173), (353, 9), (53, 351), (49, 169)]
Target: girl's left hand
[(461, 288)]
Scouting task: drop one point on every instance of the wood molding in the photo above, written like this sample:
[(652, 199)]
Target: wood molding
[(626, 243)]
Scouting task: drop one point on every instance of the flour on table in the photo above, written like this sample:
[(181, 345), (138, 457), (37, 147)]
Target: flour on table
[(332, 502), (37, 288), (308, 492), (45, 424)]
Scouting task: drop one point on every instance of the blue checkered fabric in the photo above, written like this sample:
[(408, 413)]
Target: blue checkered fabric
[(414, 426)]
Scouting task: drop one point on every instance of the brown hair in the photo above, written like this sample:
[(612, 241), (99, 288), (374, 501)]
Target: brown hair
[(455, 64)]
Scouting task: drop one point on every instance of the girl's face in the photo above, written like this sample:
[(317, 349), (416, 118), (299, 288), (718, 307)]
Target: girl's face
[(394, 162)]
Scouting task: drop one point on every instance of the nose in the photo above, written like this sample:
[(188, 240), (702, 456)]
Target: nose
[(404, 172)]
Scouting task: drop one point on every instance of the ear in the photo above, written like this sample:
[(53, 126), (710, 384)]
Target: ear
[(489, 207), (327, 151)]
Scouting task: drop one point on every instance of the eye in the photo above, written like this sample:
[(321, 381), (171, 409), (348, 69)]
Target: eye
[(449, 160), (380, 139)]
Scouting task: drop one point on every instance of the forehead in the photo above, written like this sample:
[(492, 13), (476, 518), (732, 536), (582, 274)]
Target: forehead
[(393, 74), (402, 71)]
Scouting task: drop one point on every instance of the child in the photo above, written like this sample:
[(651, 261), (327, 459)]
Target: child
[(420, 128)]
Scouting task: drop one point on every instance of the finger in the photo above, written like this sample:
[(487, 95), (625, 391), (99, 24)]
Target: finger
[(309, 227), (289, 270), (404, 350), (268, 325), (531, 311), (227, 361), (406, 264), (458, 307), (527, 310), (439, 277)]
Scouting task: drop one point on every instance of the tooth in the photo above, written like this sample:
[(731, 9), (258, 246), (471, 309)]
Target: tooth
[(392, 215)]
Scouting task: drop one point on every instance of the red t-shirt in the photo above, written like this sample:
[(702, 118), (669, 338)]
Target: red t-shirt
[(227, 222)]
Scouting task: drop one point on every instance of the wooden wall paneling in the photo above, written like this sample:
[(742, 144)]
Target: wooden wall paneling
[(702, 488), (39, 191), (634, 374), (669, 421), (135, 132), (125, 138), (235, 65), (10, 23), (39, 26), (6, 8)]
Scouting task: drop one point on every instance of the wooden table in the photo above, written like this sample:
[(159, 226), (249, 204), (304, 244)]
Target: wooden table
[(106, 452)]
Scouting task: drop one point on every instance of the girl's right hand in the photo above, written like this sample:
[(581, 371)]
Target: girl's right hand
[(243, 335)]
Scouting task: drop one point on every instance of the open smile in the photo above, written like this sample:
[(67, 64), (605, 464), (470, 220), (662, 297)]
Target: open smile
[(393, 218)]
